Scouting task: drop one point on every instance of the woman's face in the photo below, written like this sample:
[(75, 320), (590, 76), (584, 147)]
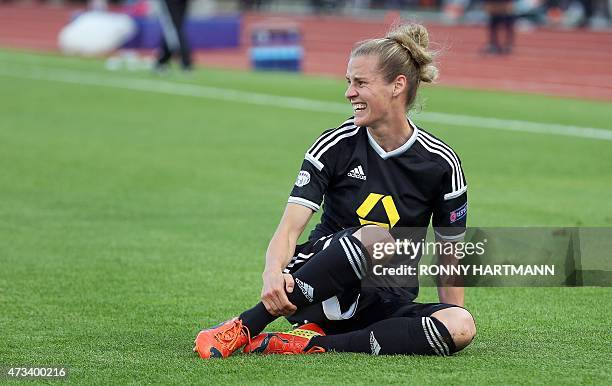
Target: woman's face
[(367, 91)]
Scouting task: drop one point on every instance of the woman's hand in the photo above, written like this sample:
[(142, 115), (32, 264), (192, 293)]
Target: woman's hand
[(273, 294), (281, 249)]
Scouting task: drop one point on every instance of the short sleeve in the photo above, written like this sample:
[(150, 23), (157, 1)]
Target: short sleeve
[(449, 217), (319, 166), (310, 186), (312, 181)]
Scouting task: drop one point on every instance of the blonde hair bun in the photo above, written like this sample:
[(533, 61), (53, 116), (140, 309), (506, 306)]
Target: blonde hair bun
[(415, 39)]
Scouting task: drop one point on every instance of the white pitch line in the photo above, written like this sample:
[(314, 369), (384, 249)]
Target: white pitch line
[(216, 93), (515, 125)]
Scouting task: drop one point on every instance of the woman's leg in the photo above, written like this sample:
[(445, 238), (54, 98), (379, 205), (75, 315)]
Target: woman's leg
[(340, 265), (442, 333)]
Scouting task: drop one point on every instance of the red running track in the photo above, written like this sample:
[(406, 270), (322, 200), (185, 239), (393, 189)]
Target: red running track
[(556, 62)]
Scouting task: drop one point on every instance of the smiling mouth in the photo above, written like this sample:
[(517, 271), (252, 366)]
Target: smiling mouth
[(359, 107)]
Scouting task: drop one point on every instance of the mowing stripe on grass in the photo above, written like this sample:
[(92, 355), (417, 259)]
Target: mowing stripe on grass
[(174, 88)]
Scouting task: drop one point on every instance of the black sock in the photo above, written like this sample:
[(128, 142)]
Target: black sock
[(421, 336), (256, 318), (340, 266)]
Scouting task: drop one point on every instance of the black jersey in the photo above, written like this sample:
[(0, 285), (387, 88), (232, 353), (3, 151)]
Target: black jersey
[(362, 183)]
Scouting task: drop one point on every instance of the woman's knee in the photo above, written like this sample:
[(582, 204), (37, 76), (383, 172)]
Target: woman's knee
[(459, 323), (374, 239)]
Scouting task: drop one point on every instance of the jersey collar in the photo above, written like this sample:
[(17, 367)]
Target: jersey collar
[(400, 150)]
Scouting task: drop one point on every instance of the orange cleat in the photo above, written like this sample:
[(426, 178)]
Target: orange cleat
[(222, 340), (292, 342)]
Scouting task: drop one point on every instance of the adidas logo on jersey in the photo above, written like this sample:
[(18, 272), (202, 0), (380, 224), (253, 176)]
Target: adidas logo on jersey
[(357, 173)]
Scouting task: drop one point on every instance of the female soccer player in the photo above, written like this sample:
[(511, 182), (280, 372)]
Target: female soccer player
[(378, 172)]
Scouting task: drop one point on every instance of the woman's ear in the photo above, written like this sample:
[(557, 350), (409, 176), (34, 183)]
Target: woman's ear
[(399, 85)]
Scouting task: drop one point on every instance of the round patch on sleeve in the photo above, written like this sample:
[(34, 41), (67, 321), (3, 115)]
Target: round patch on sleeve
[(302, 179)]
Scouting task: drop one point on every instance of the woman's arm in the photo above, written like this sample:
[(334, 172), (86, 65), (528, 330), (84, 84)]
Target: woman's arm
[(279, 254), (449, 290)]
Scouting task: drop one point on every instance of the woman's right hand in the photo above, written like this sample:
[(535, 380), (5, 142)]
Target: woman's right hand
[(273, 294)]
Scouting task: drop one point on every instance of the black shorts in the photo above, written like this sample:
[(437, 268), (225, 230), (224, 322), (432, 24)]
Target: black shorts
[(359, 307)]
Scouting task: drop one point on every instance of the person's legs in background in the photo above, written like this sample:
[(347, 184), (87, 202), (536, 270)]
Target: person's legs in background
[(500, 14)]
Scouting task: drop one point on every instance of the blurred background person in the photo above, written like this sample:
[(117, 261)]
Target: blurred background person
[(587, 6), (172, 16), (247, 5), (320, 7), (501, 16)]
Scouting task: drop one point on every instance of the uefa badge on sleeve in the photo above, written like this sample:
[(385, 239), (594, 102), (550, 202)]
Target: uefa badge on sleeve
[(303, 178), (458, 213)]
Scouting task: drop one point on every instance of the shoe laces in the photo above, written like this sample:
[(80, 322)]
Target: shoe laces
[(230, 337)]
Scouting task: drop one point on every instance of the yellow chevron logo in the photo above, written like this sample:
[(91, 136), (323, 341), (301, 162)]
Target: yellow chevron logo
[(370, 202)]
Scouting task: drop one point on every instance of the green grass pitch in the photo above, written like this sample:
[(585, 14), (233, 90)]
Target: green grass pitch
[(130, 219)]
